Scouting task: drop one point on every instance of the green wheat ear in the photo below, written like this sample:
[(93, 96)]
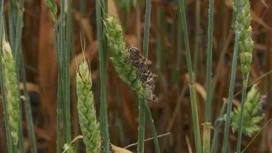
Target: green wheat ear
[(11, 90), (251, 113), (119, 56), (51, 4), (245, 43), (86, 110)]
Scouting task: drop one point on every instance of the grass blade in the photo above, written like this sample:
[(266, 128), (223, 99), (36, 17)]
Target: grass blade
[(231, 90), (28, 110), (217, 125), (209, 62), (191, 79), (142, 102), (153, 129), (207, 137), (197, 35), (103, 118)]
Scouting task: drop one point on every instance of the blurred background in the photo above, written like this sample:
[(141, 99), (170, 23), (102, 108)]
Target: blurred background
[(172, 113)]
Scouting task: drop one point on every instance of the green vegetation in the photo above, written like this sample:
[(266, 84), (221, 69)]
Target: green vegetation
[(145, 81)]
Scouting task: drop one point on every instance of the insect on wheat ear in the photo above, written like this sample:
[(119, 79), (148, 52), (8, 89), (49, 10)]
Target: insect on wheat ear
[(143, 66), (137, 59), (134, 52)]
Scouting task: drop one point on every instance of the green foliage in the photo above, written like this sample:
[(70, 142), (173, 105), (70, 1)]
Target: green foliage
[(53, 9), (86, 110), (243, 20), (119, 56), (11, 90), (251, 113), (102, 52), (194, 107), (207, 126)]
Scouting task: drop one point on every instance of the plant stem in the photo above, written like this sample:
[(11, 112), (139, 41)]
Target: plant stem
[(16, 45), (146, 28), (209, 63), (59, 104), (59, 117), (66, 8), (28, 110), (153, 128), (63, 46), (197, 34), (217, 125), (207, 137), (21, 148), (103, 118), (191, 79), (142, 102), (141, 126), (231, 90), (105, 7), (12, 11), (240, 125)]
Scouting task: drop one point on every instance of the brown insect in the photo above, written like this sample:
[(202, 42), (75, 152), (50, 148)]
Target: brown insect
[(143, 65), (137, 59), (151, 96)]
